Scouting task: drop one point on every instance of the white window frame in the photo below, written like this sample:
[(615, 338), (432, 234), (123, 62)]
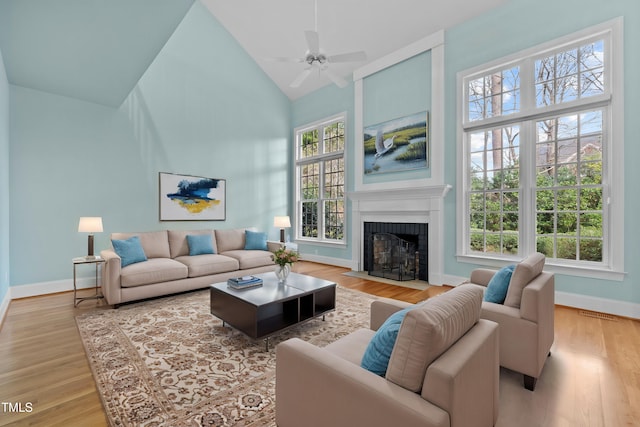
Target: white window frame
[(612, 267), (319, 125)]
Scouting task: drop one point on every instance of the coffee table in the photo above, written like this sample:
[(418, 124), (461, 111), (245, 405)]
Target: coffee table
[(271, 308)]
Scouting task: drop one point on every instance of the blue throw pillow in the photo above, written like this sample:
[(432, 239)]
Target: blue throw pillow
[(200, 244), (255, 240), (376, 356), (130, 250), (499, 284)]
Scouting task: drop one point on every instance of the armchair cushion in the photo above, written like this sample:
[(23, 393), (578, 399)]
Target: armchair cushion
[(376, 356), (525, 271), (498, 285), (429, 330)]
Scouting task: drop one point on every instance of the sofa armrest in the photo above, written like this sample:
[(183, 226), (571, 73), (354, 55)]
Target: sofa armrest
[(481, 276), (273, 246), (538, 305), (316, 388), (111, 276), (464, 381), (383, 308)]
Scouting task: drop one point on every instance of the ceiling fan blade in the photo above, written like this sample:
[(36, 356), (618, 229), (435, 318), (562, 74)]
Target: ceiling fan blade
[(285, 59), (313, 41), (348, 57), (301, 77), (339, 81)]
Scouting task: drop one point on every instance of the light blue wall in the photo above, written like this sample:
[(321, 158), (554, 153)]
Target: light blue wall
[(518, 25), (521, 24), (4, 181), (394, 92), (202, 108), (323, 103)]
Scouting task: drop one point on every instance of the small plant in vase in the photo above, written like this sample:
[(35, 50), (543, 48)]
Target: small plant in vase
[(284, 258)]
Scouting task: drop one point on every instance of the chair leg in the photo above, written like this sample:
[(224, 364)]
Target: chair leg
[(530, 382)]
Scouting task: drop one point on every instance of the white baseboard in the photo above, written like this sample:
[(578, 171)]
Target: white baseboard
[(585, 302), (4, 305), (338, 262), (603, 305), (44, 288)]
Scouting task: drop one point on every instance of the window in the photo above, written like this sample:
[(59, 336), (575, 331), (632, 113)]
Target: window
[(537, 171), (320, 179)]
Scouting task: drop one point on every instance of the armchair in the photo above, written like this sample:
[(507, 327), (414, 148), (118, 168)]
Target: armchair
[(459, 387), (526, 318)]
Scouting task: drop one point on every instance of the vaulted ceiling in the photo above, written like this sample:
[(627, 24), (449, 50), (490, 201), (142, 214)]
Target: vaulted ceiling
[(97, 50)]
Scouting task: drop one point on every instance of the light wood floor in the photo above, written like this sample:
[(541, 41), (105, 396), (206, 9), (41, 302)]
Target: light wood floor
[(591, 379)]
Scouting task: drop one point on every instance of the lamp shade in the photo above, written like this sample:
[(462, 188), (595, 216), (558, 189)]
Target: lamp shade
[(90, 224), (281, 222)]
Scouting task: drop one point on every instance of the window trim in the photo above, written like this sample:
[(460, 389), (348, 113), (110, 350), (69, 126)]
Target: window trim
[(613, 154), (321, 157)]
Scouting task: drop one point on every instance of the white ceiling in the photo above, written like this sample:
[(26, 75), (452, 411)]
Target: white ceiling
[(275, 28), (97, 50)]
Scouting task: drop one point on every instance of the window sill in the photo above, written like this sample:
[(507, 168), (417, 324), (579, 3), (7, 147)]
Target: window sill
[(340, 245), (602, 273)]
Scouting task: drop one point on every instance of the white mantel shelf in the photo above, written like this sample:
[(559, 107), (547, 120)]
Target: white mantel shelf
[(422, 204), (437, 191)]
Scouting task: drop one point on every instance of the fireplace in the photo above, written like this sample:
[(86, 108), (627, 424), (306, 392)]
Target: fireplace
[(397, 251)]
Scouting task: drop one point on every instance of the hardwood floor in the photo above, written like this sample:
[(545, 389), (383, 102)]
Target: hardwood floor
[(591, 379)]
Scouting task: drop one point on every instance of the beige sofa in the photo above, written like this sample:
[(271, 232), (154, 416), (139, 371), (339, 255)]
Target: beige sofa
[(443, 371), (170, 269), (526, 318)]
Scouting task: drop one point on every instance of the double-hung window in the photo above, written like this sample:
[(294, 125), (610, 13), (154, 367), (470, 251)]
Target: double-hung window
[(320, 181), (539, 153)]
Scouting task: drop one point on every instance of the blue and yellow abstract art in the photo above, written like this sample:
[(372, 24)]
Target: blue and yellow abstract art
[(195, 198)]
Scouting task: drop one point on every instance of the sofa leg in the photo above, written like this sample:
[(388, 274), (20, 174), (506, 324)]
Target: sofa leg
[(530, 382)]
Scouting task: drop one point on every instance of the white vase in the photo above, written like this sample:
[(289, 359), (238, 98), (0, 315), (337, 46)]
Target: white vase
[(282, 272)]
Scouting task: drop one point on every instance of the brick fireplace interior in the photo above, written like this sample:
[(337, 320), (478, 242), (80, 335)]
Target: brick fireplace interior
[(409, 235)]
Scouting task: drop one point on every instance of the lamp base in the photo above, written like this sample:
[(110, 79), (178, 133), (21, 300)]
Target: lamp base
[(282, 235), (90, 247)]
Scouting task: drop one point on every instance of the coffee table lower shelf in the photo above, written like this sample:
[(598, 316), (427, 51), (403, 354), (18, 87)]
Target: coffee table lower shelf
[(271, 308)]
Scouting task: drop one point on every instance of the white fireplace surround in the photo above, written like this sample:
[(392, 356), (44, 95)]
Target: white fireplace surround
[(405, 205)]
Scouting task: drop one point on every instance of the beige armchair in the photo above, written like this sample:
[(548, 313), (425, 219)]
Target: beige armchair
[(526, 318), (319, 387)]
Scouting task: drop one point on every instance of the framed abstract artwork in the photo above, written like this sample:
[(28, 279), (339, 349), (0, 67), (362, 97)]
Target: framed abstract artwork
[(397, 145), (192, 198)]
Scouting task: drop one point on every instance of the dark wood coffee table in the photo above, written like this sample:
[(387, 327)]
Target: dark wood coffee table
[(271, 308)]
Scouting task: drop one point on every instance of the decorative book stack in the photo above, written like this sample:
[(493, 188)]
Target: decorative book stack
[(244, 282)]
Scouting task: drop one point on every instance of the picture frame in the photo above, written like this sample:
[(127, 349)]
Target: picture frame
[(191, 198), (396, 145)]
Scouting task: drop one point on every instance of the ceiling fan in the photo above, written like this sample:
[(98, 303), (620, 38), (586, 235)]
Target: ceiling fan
[(317, 59)]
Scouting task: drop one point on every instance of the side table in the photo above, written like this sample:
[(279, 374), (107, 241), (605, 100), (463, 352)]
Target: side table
[(97, 261)]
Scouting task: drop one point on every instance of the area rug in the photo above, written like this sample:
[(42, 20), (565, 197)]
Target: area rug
[(170, 362)]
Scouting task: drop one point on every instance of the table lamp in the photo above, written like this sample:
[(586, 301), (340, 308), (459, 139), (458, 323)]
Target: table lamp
[(90, 224), (281, 222)]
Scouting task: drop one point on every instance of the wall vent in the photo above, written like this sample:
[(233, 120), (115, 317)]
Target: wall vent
[(597, 315)]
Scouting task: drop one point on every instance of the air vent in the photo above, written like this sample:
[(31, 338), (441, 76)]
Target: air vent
[(597, 315)]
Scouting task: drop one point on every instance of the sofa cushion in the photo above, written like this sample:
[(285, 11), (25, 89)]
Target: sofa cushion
[(230, 240), (200, 244), (203, 265), (525, 271), (154, 270), (251, 259), (429, 330), (154, 243), (376, 356), (129, 250), (179, 245), (497, 288), (255, 240)]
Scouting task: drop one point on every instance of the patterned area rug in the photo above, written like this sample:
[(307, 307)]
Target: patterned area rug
[(170, 362)]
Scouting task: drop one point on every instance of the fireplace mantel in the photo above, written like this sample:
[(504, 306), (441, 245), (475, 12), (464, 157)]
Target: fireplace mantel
[(418, 205)]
